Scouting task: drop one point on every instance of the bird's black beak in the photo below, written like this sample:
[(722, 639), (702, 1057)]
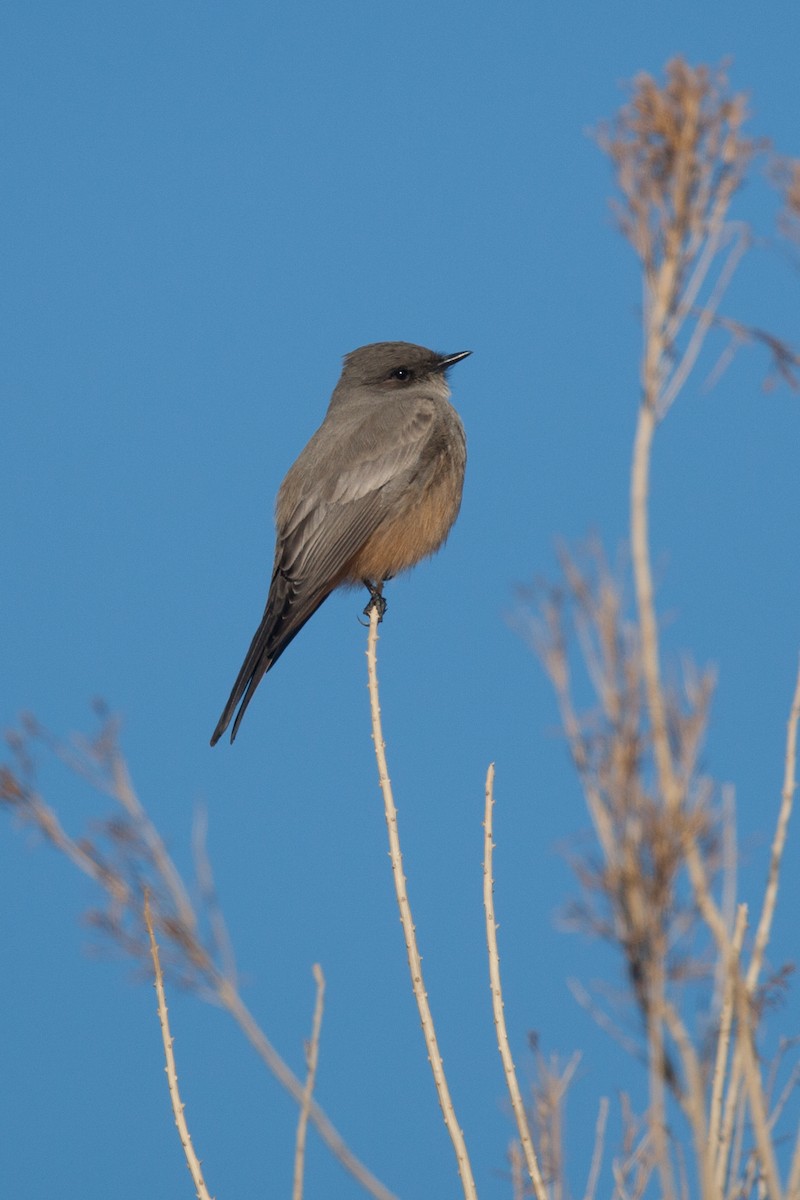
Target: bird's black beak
[(449, 360)]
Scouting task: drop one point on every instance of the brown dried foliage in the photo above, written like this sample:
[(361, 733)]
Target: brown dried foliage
[(679, 154), (659, 880), (126, 857)]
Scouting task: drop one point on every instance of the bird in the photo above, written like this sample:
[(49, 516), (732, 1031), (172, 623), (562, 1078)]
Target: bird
[(376, 490)]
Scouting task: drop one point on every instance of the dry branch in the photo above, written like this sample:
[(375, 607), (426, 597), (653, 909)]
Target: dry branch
[(512, 1084), (312, 1060), (124, 854), (409, 931), (652, 885), (192, 1161)]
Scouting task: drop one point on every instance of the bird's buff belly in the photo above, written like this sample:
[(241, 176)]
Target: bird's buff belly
[(419, 532)]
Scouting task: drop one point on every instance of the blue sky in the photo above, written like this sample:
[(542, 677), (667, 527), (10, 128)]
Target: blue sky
[(204, 207)]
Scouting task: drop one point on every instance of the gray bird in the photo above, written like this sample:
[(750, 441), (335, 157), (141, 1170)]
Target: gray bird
[(376, 490)]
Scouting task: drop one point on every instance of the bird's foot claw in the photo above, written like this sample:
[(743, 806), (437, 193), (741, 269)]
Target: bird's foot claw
[(377, 600)]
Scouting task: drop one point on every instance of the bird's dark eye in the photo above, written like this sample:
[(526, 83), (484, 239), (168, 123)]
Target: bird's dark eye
[(402, 373)]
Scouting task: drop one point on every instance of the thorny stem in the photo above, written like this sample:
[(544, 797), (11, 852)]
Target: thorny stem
[(512, 1083), (160, 868), (192, 1161), (414, 959)]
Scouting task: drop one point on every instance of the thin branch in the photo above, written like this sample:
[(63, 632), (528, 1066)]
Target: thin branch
[(655, 1073), (718, 1144), (414, 960), (755, 1092), (517, 1171), (192, 1161), (208, 893), (604, 1021), (517, 1104), (597, 1153), (231, 1000), (705, 319), (125, 794), (729, 880), (312, 1058), (643, 579), (783, 1099), (124, 921), (693, 1098), (793, 1187), (779, 841)]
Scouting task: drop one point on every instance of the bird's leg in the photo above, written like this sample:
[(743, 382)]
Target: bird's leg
[(377, 599)]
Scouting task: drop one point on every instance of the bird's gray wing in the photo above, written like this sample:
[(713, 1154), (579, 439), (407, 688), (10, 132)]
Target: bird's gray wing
[(356, 481), (333, 499)]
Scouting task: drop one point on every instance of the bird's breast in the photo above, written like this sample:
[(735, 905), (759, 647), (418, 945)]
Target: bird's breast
[(424, 516)]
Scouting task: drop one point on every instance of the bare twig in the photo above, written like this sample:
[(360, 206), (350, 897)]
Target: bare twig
[(719, 1145), (693, 1097), (512, 1084), (597, 1153), (223, 945), (656, 1081), (136, 856), (604, 1021), (653, 885), (517, 1171), (312, 1058), (414, 960), (230, 999), (778, 843), (793, 1187), (550, 1089), (192, 1161), (643, 577), (122, 790), (783, 1098), (755, 1092)]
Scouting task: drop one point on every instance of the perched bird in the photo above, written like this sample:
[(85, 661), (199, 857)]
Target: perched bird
[(376, 490)]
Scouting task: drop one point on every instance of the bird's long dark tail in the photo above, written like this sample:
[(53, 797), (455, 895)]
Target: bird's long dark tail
[(285, 615)]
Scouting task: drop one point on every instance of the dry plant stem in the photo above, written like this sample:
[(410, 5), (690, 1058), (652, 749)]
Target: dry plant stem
[(312, 1058), (729, 883), (179, 927), (208, 892), (517, 1172), (226, 989), (597, 809), (603, 1021), (706, 316), (597, 1153), (745, 1062), (643, 579), (232, 1001), (693, 1100), (658, 1108), (755, 1091), (659, 294), (788, 1089), (517, 1104), (192, 1161), (718, 1146), (414, 960), (47, 821), (779, 841), (125, 793), (793, 1189)]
